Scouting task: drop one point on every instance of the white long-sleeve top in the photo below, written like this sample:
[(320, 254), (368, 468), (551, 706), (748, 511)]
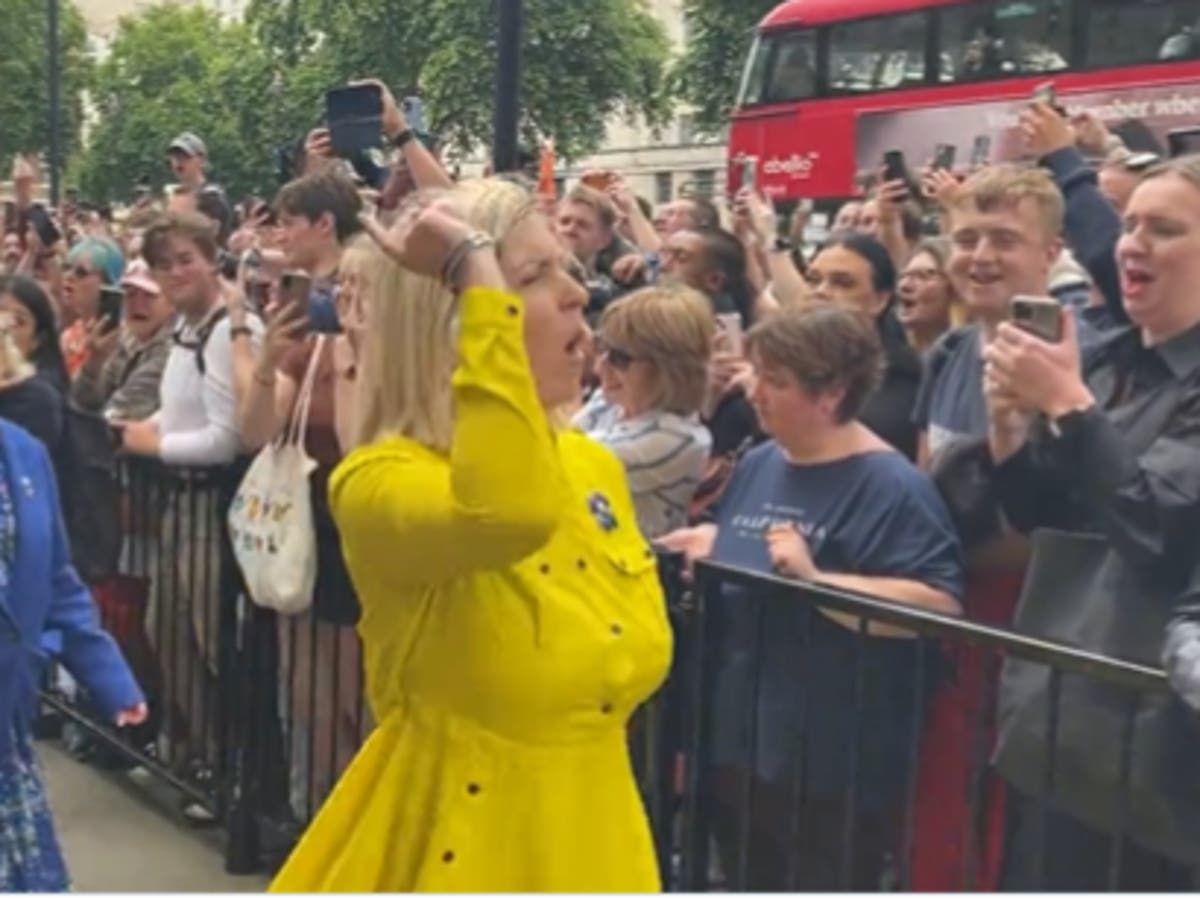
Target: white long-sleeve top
[(197, 418), (664, 456)]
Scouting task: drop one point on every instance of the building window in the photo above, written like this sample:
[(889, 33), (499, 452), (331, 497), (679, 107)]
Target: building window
[(687, 129), (704, 183), (664, 187)]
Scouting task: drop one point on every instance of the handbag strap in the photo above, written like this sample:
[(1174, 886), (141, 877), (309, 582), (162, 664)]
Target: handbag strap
[(298, 426)]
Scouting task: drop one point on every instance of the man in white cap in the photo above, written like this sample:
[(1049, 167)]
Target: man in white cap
[(188, 157)]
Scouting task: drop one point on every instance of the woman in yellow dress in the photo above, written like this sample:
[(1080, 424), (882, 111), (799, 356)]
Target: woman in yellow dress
[(512, 615)]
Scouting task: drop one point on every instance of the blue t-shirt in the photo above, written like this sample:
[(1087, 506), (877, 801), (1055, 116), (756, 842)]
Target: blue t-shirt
[(950, 404), (868, 514)]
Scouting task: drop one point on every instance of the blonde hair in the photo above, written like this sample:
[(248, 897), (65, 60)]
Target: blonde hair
[(1006, 186), (411, 350), (672, 328), (595, 201), (1185, 167), (941, 250)]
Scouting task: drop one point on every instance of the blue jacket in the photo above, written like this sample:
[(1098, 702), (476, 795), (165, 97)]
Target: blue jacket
[(45, 594)]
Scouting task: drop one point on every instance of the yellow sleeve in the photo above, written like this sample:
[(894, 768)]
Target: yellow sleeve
[(424, 519)]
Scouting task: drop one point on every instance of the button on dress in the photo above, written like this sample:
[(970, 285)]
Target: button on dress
[(512, 622)]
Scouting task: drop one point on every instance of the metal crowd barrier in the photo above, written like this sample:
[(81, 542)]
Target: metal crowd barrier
[(255, 716)]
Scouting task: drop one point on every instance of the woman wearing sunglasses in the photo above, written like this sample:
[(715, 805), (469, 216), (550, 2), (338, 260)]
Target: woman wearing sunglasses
[(652, 361), (93, 263)]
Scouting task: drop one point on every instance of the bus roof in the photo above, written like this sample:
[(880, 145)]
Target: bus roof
[(824, 12)]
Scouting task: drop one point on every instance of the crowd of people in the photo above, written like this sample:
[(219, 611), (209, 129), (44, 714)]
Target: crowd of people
[(512, 399)]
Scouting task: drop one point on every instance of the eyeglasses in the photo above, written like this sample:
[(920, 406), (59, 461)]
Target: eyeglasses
[(921, 274), (615, 356), (81, 271)]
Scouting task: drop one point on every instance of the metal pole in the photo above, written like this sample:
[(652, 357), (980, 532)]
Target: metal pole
[(505, 153), (55, 73)]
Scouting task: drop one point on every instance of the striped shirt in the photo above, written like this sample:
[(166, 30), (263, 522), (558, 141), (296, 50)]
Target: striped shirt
[(664, 456)]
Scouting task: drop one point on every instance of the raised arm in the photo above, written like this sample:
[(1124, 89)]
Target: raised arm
[(496, 497)]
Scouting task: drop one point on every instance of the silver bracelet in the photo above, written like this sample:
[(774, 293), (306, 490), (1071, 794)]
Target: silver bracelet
[(476, 240)]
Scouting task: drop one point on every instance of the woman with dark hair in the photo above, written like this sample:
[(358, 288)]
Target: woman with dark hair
[(856, 271), (824, 501), (34, 328)]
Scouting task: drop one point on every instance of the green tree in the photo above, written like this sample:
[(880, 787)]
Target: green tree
[(25, 99), (708, 73), (584, 62), (176, 68)]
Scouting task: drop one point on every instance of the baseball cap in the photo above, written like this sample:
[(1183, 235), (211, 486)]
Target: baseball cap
[(189, 144), (138, 275)]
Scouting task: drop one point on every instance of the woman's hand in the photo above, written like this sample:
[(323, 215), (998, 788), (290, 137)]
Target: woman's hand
[(318, 150), (695, 544), (133, 716), (789, 552), (425, 237), (286, 325), (101, 341), (1035, 374), (758, 215)]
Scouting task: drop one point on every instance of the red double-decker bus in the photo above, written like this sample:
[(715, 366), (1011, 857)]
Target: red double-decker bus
[(831, 85)]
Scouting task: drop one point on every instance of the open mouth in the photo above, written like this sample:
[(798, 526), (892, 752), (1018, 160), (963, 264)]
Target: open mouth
[(1135, 279)]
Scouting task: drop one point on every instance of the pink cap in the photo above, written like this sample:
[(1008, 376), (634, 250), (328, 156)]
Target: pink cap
[(138, 275)]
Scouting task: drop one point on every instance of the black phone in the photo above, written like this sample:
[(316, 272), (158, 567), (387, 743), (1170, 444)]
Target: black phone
[(354, 116), (943, 157), (47, 231), (895, 168), (111, 299), (1183, 141)]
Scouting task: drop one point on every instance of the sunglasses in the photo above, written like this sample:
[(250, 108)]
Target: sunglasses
[(615, 356)]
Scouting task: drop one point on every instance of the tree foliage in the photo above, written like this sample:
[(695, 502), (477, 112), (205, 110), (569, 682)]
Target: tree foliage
[(583, 62), (25, 100), (708, 73), (176, 69)]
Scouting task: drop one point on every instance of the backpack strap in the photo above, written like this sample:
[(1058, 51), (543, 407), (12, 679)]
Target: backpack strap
[(200, 342)]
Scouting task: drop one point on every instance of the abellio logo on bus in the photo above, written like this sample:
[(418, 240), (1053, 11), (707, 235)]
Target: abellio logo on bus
[(798, 166)]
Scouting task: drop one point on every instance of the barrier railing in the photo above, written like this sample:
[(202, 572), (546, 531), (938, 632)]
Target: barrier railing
[(758, 772)]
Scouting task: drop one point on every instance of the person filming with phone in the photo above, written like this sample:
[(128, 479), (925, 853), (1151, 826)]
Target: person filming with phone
[(128, 347), (1097, 455)]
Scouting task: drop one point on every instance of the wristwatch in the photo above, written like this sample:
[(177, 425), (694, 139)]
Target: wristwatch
[(403, 138), (782, 245)]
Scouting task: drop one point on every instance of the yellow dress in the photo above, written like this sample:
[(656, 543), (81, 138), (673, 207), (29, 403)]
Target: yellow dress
[(512, 621)]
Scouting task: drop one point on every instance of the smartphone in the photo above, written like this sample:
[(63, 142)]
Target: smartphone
[(111, 299), (1040, 316), (943, 157), (1045, 93), (1183, 141), (47, 231), (981, 151), (731, 326), (354, 116), (414, 112), (295, 287), (750, 172), (895, 168)]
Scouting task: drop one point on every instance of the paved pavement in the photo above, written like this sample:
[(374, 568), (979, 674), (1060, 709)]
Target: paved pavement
[(118, 838)]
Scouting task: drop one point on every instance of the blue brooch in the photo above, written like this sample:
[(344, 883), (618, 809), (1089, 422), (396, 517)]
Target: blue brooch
[(601, 510)]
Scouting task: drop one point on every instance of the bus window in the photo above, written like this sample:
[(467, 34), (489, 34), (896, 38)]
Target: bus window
[(877, 54), (1005, 37), (781, 69), (1128, 32)]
